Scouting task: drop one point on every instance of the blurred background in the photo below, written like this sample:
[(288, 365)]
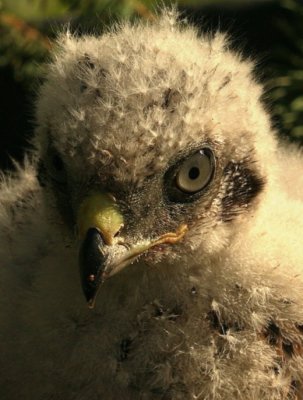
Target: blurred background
[(269, 31)]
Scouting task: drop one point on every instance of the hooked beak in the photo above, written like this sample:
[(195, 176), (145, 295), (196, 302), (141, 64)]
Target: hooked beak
[(103, 252)]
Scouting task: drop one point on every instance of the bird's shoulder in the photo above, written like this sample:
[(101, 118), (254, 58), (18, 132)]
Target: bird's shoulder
[(23, 221), (20, 193)]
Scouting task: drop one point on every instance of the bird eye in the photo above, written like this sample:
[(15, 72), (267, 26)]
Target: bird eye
[(57, 163), (195, 172), (56, 167), (190, 176)]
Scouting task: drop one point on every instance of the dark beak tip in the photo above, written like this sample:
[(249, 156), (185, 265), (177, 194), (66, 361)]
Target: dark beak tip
[(92, 263), (89, 293)]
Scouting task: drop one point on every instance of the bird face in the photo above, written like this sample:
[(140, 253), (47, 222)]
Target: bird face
[(117, 224), (149, 149)]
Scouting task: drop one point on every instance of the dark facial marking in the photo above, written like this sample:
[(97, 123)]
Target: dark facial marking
[(215, 322), (277, 338), (171, 98), (295, 391), (273, 333), (47, 171), (287, 347), (225, 82), (83, 87), (243, 185), (286, 350), (86, 63), (86, 60), (125, 347), (166, 99)]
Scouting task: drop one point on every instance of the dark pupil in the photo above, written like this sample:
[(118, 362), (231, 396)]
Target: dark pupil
[(58, 163), (193, 173)]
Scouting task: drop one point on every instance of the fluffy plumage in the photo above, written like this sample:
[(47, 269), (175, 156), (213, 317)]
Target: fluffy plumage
[(217, 315)]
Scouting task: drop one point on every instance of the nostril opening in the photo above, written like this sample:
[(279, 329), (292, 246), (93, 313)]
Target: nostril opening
[(118, 231)]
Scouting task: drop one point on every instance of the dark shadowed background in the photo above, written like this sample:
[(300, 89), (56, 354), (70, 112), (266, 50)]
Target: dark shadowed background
[(271, 32)]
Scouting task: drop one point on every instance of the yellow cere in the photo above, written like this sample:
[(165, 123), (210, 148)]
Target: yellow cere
[(99, 210)]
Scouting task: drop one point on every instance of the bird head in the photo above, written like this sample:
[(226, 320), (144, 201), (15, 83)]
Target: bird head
[(153, 142)]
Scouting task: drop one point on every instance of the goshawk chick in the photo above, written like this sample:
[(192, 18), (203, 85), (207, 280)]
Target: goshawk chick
[(155, 171)]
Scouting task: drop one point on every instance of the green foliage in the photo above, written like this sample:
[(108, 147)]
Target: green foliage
[(34, 10), (26, 25), (287, 87), (22, 49)]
